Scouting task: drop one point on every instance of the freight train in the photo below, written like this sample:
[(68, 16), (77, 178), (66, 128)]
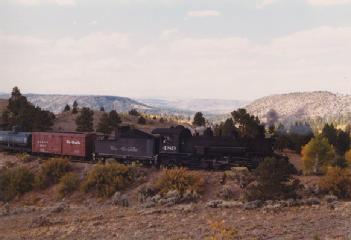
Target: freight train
[(174, 146)]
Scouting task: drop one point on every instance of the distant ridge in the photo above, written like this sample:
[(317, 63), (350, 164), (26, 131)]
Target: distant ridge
[(57, 102), (300, 106)]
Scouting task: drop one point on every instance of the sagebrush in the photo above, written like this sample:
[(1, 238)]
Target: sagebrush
[(105, 180), (51, 171), (179, 179), (337, 181), (15, 182), (68, 184)]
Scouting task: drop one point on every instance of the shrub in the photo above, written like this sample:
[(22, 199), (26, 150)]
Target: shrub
[(348, 157), (240, 175), (68, 184), (51, 172), (340, 162), (274, 181), (179, 179), (24, 157), (107, 179), (337, 181), (219, 231), (14, 182), (141, 120)]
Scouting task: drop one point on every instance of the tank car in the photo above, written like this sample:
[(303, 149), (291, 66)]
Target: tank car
[(16, 141)]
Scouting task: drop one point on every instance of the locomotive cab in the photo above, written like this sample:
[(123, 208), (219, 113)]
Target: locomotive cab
[(172, 140)]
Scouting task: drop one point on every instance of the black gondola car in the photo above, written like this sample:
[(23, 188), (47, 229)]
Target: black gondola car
[(128, 145)]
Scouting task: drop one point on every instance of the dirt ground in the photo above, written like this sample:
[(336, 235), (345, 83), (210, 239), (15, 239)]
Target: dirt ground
[(42, 215)]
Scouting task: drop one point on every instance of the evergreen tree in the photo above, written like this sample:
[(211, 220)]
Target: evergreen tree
[(22, 113), (249, 125), (114, 119), (104, 124), (67, 108), (75, 107), (199, 119), (338, 138), (134, 112), (228, 129), (342, 142), (84, 121), (330, 133), (102, 109), (141, 120)]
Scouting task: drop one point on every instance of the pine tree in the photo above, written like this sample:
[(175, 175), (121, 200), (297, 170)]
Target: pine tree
[(114, 119), (22, 113), (75, 107), (228, 128), (84, 121), (104, 124), (249, 125), (67, 108), (141, 120), (102, 109), (199, 119), (134, 112)]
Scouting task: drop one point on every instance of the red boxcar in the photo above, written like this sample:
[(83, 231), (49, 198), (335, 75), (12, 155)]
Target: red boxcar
[(65, 144)]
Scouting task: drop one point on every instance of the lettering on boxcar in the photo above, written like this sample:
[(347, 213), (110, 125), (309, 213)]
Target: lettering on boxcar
[(72, 142)]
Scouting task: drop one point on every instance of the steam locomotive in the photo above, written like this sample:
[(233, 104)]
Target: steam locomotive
[(174, 146)]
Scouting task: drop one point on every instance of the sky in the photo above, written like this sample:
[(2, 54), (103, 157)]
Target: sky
[(225, 49)]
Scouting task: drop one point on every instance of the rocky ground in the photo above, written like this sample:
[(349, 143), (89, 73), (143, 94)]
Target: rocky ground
[(42, 215)]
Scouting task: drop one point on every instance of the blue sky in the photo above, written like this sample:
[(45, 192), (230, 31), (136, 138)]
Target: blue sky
[(175, 48)]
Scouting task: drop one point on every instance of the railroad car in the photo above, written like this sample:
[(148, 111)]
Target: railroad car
[(16, 141), (166, 146), (128, 145), (72, 144)]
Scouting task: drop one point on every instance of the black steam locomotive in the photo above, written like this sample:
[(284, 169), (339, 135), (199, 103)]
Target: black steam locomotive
[(176, 146), (164, 146)]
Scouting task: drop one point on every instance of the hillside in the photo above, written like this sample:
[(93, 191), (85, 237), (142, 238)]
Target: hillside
[(301, 106), (209, 106), (56, 103), (45, 214), (66, 122)]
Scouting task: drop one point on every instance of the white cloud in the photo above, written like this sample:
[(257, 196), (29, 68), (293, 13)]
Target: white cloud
[(203, 13), (327, 2), (317, 3), (168, 33), (264, 3), (228, 67), (45, 2)]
